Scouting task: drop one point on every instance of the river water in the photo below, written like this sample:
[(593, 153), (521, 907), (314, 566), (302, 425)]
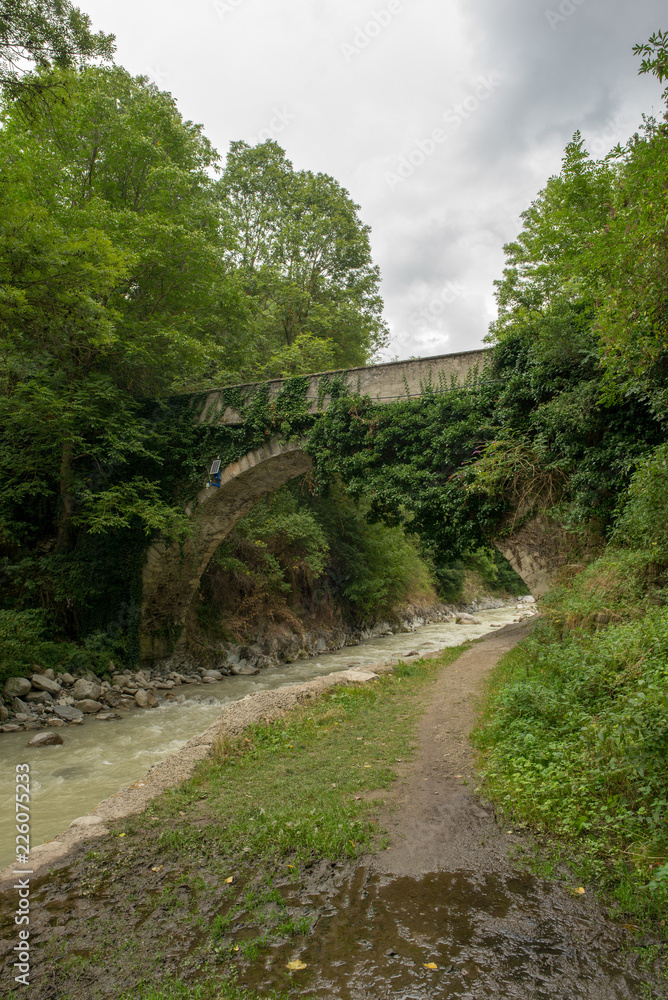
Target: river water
[(98, 758)]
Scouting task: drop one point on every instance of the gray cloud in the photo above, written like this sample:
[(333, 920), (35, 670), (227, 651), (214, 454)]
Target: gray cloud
[(364, 85)]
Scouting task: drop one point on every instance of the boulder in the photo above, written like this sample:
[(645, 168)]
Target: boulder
[(244, 668), (105, 716), (45, 739), (86, 690), (9, 727), (141, 697), (89, 706), (20, 707), (214, 674), (16, 687), (467, 620), (151, 700), (39, 698), (43, 683), (4, 714), (48, 673), (66, 679)]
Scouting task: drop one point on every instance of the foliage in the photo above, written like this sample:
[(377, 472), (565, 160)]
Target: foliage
[(642, 522), (304, 259), (575, 740), (44, 33), (298, 557)]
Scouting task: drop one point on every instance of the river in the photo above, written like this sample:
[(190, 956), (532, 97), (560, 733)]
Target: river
[(98, 758)]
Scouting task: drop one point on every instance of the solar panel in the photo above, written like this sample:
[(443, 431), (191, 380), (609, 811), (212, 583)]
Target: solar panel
[(215, 467)]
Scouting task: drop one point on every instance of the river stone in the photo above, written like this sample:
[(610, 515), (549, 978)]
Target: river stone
[(88, 706), (67, 678), (68, 713), (16, 687), (86, 690), (244, 668), (20, 707), (39, 698), (44, 683), (105, 716), (214, 674), (45, 739), (467, 620), (141, 698)]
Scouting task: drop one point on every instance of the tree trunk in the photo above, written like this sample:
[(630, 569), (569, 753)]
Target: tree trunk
[(66, 500)]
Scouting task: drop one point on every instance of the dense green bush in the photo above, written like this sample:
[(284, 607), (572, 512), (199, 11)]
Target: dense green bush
[(575, 737)]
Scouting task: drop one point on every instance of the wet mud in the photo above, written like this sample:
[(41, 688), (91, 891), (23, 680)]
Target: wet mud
[(484, 935)]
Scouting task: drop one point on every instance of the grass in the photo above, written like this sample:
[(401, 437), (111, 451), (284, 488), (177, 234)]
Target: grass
[(294, 789), (574, 742), (206, 863)]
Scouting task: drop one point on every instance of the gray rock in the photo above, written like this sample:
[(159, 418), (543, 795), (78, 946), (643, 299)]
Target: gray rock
[(46, 739), (43, 683), (9, 727), (16, 687), (244, 668), (24, 717), (214, 674), (89, 706), (105, 716), (86, 689), (467, 620), (21, 707), (39, 698), (66, 679), (49, 673), (56, 722), (68, 713), (141, 697), (4, 714)]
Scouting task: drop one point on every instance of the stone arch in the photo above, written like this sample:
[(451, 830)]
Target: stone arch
[(172, 571)]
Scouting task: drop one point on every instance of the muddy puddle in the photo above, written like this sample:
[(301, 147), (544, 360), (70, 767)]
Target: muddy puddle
[(448, 934)]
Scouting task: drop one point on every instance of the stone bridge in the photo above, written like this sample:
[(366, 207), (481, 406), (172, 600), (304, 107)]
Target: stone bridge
[(172, 572)]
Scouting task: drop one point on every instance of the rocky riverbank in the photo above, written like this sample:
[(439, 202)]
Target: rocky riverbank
[(49, 700)]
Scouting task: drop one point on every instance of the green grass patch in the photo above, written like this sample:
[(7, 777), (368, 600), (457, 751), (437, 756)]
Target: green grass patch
[(293, 789), (574, 743)]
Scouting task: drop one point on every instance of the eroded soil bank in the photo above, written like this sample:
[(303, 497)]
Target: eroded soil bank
[(442, 907)]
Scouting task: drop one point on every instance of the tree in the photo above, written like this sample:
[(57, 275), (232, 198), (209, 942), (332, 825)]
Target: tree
[(44, 34), (114, 288), (304, 260)]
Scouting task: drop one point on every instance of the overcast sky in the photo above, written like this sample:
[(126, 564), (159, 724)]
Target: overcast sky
[(442, 118)]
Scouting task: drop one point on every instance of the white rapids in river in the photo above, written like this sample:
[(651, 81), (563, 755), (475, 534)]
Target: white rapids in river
[(98, 758)]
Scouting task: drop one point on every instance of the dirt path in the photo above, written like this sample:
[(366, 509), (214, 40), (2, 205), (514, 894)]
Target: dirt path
[(445, 911), (435, 819)]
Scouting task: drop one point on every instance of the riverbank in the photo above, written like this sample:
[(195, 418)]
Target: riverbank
[(273, 854), (49, 700), (96, 760)]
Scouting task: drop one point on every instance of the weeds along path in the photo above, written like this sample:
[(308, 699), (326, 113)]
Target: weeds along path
[(339, 851)]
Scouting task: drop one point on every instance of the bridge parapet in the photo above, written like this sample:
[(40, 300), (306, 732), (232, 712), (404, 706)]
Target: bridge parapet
[(384, 383)]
